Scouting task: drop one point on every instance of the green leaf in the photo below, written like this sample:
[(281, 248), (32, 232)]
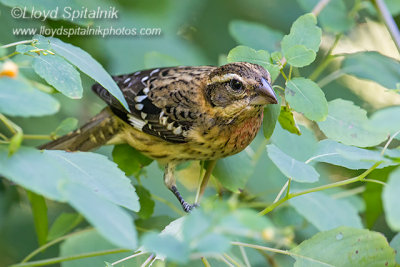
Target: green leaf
[(20, 99), (166, 246), (146, 202), (255, 35), (213, 243), (395, 243), (15, 142), (345, 247), (306, 97), (156, 59), (350, 157), (271, 115), (85, 180), (359, 65), (300, 147), (39, 211), (66, 126), (334, 17), (64, 223), (60, 74), (391, 200), (110, 220), (300, 56), (91, 241), (304, 36), (349, 125), (234, 171), (387, 120), (287, 121), (129, 159), (290, 167), (261, 57), (325, 212), (85, 63), (195, 225), (97, 173)]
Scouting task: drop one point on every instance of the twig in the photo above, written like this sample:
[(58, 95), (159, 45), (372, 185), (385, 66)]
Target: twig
[(388, 142), (389, 22), (129, 257), (359, 178), (319, 7), (18, 43), (51, 243), (279, 251), (244, 256), (205, 180)]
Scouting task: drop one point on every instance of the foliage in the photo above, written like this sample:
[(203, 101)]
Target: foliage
[(324, 172)]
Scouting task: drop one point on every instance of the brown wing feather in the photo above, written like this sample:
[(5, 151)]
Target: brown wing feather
[(159, 105)]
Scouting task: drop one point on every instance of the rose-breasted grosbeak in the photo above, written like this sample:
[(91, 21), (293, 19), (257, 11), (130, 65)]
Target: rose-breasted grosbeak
[(179, 114)]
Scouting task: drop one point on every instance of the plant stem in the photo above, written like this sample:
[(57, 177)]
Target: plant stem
[(331, 77), (70, 258), (205, 262), (283, 74), (325, 62), (244, 256), (51, 243), (388, 142), (18, 43), (37, 137), (389, 22), (129, 257), (280, 251), (10, 55), (9, 124), (359, 178)]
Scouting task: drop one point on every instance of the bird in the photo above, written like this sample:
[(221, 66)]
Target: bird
[(179, 114)]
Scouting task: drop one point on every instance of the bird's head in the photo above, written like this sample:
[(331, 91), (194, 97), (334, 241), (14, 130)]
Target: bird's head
[(239, 88)]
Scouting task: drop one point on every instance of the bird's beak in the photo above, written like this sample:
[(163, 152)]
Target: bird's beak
[(265, 94)]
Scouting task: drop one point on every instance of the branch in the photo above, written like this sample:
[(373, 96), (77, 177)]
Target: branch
[(389, 22)]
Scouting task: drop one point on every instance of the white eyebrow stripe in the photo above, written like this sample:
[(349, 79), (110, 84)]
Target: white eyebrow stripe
[(226, 77)]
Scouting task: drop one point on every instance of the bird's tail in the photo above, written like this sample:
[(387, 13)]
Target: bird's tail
[(97, 132)]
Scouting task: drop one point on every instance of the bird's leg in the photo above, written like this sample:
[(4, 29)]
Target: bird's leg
[(169, 181)]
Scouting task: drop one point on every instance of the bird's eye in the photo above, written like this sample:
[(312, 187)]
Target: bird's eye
[(236, 85)]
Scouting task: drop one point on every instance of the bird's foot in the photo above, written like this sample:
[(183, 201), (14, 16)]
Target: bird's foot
[(185, 206)]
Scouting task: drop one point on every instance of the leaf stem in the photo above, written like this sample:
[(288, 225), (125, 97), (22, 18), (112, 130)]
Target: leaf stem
[(70, 258), (359, 178)]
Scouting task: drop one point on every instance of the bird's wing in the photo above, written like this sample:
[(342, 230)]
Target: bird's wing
[(159, 105)]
